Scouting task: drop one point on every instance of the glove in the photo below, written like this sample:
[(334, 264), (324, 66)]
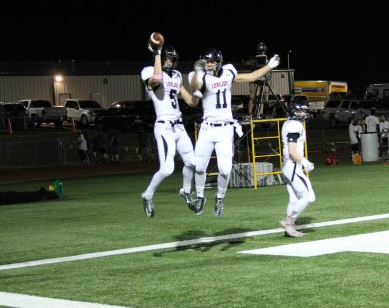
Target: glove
[(308, 166), (154, 51), (197, 94), (274, 61), (238, 129), (199, 65)]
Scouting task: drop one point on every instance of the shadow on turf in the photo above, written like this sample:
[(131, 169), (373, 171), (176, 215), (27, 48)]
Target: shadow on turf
[(305, 221), (204, 247)]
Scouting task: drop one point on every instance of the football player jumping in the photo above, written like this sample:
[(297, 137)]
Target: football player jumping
[(164, 85), (299, 186), (214, 81)]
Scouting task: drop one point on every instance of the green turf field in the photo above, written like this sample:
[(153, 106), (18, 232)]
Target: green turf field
[(180, 260)]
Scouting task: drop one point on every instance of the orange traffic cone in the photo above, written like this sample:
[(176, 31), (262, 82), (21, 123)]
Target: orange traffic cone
[(9, 127), (72, 127)]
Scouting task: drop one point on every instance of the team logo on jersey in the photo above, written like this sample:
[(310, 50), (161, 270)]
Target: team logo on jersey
[(219, 84), (172, 84)]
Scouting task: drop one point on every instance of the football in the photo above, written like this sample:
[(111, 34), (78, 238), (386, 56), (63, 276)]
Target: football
[(156, 40)]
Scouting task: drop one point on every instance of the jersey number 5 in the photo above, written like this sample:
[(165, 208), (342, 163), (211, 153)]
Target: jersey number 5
[(173, 97)]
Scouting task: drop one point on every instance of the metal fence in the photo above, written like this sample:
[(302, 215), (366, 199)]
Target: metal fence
[(57, 152), (39, 153)]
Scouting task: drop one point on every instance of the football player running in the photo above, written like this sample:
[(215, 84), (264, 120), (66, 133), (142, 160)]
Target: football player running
[(298, 185), (164, 85), (214, 81)]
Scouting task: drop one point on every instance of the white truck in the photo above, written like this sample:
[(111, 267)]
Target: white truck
[(377, 90), (42, 111), (82, 111), (319, 92)]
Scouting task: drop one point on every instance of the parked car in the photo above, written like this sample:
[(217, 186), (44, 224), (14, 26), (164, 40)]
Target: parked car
[(341, 110), (16, 113), (127, 116), (82, 111), (42, 111)]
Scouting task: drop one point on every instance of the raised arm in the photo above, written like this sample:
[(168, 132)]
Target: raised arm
[(156, 79), (255, 75)]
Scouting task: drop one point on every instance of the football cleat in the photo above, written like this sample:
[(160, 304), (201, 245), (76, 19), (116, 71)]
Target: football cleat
[(188, 200), (148, 206), (290, 230), (200, 201), (219, 206)]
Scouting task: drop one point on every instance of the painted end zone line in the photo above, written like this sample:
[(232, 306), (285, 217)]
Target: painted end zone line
[(377, 242), (185, 243), (27, 301)]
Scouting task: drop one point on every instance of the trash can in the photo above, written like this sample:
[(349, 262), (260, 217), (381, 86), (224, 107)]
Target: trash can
[(369, 147)]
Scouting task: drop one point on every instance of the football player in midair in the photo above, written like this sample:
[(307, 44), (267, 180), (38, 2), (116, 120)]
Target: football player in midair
[(164, 86), (214, 81)]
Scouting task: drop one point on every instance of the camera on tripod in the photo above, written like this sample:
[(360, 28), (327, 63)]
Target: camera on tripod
[(261, 57)]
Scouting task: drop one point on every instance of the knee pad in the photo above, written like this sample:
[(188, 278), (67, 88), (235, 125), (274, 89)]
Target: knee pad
[(199, 171), (167, 171), (189, 160), (309, 196), (225, 171)]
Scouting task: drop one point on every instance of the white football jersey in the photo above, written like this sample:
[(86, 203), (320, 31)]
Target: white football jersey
[(292, 131), (217, 94), (165, 96)]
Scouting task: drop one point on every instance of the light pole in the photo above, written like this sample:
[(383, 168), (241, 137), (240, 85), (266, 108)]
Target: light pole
[(289, 52)]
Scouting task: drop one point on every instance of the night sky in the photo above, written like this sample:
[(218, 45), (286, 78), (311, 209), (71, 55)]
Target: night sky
[(328, 41)]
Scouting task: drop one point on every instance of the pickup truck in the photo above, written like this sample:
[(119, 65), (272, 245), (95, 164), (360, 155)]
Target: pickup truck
[(42, 111), (339, 111), (82, 111)]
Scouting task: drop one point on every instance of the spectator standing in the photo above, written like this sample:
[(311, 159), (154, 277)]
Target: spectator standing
[(372, 122), (384, 132), (353, 133), (298, 185), (360, 128), (90, 139), (164, 85), (100, 148), (113, 147), (214, 80), (83, 148)]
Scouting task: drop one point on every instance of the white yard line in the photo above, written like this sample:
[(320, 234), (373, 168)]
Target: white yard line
[(27, 301)]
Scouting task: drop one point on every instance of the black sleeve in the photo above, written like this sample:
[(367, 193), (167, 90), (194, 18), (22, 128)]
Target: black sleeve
[(292, 137)]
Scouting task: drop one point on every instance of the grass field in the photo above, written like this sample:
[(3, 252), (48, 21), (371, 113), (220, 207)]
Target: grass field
[(120, 257)]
